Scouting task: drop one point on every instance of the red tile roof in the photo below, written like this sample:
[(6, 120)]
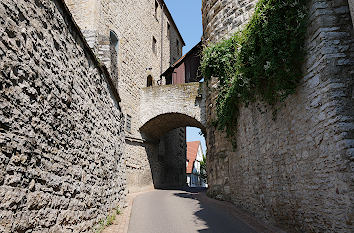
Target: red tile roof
[(192, 150)]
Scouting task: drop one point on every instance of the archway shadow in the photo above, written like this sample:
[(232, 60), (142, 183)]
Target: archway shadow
[(167, 167), (216, 218), (158, 126)]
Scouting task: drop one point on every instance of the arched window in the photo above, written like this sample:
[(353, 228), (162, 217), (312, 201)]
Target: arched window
[(114, 49), (114, 41), (149, 81)]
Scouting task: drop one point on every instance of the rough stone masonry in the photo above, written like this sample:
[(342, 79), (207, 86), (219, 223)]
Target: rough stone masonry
[(296, 171), (147, 43), (61, 128)]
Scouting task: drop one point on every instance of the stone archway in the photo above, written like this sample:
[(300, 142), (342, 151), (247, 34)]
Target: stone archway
[(167, 107), (165, 111), (161, 124)]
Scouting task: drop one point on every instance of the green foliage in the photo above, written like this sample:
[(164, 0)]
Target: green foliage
[(101, 226), (203, 170), (108, 221), (261, 62)]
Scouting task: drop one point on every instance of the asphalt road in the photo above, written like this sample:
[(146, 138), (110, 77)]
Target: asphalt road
[(176, 211)]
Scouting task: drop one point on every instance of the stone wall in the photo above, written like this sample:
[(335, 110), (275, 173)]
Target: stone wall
[(135, 24), (295, 171), (171, 160), (351, 7), (61, 130), (222, 18)]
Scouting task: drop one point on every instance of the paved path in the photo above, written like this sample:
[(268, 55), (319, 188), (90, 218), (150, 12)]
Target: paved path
[(176, 211)]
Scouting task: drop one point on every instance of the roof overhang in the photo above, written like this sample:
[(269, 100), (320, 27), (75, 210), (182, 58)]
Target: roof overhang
[(169, 16)]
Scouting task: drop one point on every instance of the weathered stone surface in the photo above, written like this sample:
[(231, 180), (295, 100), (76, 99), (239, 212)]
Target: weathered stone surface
[(163, 110), (168, 107), (351, 6), (61, 131), (222, 18), (135, 23), (295, 171)]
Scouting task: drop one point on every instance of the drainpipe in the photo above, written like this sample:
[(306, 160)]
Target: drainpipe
[(162, 13)]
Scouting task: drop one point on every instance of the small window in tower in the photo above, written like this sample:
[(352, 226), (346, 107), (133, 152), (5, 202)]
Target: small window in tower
[(156, 7), (168, 30), (149, 81), (128, 125), (114, 50), (154, 44)]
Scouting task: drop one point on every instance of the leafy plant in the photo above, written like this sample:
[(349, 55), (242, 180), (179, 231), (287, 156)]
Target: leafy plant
[(102, 224), (203, 170), (110, 220), (261, 62)]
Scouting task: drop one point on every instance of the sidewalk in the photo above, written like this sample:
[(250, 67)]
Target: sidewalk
[(121, 223)]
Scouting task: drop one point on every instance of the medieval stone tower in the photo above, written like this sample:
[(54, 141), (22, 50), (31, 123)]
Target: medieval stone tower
[(295, 171), (137, 41)]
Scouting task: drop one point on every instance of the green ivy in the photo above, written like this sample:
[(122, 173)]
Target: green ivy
[(261, 62)]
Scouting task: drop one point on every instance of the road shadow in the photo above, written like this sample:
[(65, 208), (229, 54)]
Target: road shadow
[(216, 218)]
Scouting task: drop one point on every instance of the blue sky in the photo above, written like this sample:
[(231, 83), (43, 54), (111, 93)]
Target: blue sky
[(188, 18)]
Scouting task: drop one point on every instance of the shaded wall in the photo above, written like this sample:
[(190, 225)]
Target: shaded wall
[(295, 171), (172, 159), (61, 130)]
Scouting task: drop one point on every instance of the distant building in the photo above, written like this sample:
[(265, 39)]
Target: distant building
[(194, 157), (185, 70)]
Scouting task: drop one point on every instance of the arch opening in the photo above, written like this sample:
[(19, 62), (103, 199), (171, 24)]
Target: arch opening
[(168, 161), (161, 124)]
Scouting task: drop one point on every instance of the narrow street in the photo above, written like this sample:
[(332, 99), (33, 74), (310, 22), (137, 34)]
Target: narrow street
[(177, 211)]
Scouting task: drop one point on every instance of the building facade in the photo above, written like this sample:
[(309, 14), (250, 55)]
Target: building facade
[(193, 164), (186, 69), (137, 41)]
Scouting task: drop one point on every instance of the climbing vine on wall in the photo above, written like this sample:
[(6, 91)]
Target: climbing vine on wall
[(261, 62)]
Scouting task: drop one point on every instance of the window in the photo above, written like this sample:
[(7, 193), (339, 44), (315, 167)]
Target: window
[(114, 41), (114, 49), (128, 125), (156, 7), (154, 44), (149, 81), (168, 30)]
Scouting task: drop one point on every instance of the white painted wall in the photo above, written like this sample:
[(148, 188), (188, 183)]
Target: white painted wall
[(193, 180)]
